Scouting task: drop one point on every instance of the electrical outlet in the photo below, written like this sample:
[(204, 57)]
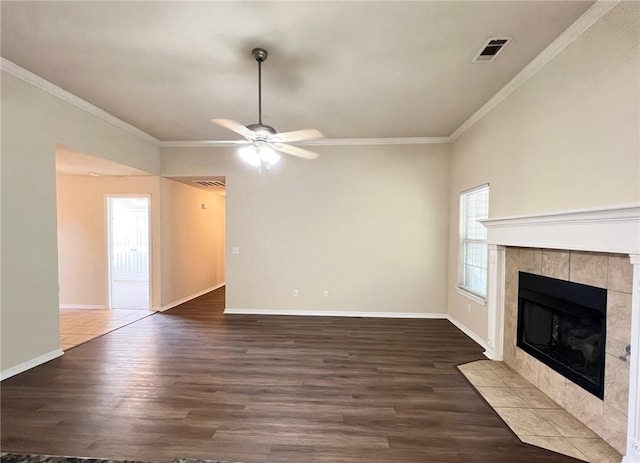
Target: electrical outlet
[(326, 293), (469, 308), (295, 293)]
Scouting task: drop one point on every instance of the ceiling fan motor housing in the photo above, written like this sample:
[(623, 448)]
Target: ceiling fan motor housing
[(262, 130)]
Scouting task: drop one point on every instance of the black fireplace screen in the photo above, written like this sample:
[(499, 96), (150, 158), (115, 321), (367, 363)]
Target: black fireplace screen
[(562, 324)]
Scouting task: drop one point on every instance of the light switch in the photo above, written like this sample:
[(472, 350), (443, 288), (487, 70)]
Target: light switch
[(235, 249)]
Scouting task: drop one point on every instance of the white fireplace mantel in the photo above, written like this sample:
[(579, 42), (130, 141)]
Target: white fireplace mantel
[(614, 229)]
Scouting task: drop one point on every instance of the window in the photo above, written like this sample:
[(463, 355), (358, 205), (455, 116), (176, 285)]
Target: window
[(474, 206)]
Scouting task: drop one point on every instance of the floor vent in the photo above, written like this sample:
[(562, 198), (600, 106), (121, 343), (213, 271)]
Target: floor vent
[(210, 183), (492, 48)]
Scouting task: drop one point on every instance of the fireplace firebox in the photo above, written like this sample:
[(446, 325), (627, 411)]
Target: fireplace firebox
[(563, 324)]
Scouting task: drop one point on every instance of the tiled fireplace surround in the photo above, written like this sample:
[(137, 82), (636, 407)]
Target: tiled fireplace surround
[(606, 418), (600, 248)]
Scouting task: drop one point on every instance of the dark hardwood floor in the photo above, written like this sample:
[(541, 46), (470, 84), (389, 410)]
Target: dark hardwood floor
[(192, 382)]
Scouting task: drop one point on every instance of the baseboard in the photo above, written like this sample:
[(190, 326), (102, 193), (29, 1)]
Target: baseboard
[(188, 298), (24, 366), (333, 313), (468, 332), (82, 306)]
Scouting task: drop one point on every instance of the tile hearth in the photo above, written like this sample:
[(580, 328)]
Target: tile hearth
[(533, 416)]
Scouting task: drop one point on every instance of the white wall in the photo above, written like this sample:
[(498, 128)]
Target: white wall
[(82, 235), (367, 223), (568, 138), (192, 240), (33, 122)]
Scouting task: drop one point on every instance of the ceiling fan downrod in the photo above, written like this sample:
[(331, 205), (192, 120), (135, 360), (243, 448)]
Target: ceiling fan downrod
[(260, 55), (262, 140)]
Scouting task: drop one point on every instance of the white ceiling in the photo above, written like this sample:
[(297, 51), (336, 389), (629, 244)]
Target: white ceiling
[(349, 69), (70, 162)]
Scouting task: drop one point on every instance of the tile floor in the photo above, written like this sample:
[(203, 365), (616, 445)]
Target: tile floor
[(533, 416), (78, 326)]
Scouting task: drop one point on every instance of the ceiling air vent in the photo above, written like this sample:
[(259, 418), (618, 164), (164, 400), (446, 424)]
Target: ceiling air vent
[(210, 183), (492, 48)]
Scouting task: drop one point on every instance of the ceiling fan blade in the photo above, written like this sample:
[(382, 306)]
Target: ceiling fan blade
[(226, 142), (295, 151), (234, 126), (296, 135)]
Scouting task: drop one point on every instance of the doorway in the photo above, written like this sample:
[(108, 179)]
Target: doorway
[(129, 257)]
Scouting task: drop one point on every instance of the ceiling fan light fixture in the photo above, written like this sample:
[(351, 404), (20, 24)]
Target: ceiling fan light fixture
[(258, 154), (250, 155), (268, 155), (265, 140)]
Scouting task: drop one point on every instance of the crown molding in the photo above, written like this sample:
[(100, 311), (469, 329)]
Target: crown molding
[(29, 77), (199, 143), (376, 141), (319, 142), (575, 30)]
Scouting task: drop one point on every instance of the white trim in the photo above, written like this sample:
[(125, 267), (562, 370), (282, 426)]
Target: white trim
[(481, 342), (633, 411), (468, 294), (376, 141), (83, 306), (611, 229), (474, 189), (319, 142), (200, 143), (575, 30), (24, 366), (188, 298), (333, 313), (618, 212), (465, 220), (495, 295), (37, 81)]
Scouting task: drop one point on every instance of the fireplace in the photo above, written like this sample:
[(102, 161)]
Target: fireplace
[(562, 324), (597, 247)]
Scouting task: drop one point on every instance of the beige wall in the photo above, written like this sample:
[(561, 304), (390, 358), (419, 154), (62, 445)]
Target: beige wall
[(192, 240), (187, 245), (82, 235), (366, 223), (33, 122), (568, 138)]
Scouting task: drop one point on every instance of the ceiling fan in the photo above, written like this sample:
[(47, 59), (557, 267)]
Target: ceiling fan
[(262, 140)]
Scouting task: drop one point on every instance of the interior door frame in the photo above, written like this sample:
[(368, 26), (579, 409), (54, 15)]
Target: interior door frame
[(107, 216)]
